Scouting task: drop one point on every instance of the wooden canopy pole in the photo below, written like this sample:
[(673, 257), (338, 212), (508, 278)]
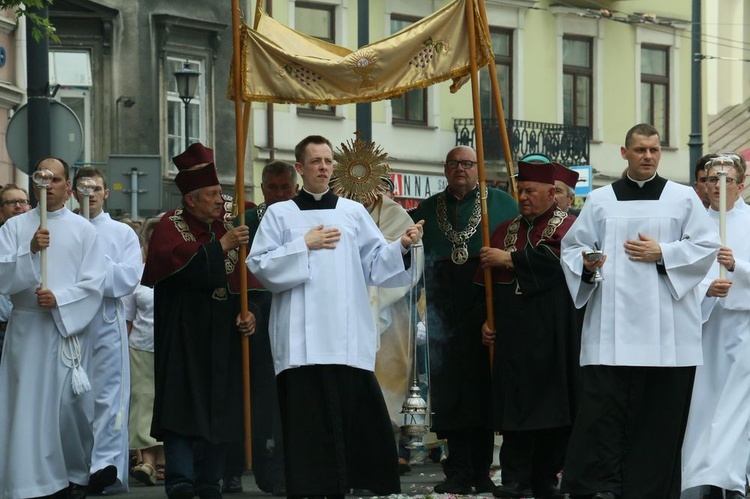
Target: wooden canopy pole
[(239, 184), (479, 142), (499, 108)]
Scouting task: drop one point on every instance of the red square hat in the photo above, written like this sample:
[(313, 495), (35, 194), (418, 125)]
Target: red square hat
[(566, 175), (189, 180), (196, 154), (536, 172)]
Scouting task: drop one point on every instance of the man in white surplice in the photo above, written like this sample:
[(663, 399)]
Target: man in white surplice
[(717, 444), (110, 359), (47, 405), (642, 329), (317, 253)]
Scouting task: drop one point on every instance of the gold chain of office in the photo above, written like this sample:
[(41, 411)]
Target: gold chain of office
[(459, 238), (512, 236), (261, 211)]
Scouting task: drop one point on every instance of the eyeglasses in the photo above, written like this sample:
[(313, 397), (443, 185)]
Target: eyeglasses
[(715, 180), (19, 202), (452, 164)]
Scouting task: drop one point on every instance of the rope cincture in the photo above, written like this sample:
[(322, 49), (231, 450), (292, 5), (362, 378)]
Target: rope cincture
[(70, 354)]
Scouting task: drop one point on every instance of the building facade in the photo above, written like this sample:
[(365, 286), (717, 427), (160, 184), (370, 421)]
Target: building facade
[(12, 87), (573, 77)]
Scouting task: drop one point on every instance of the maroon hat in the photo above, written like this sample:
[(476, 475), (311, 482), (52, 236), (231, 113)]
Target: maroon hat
[(536, 172), (189, 180), (566, 175), (196, 154)]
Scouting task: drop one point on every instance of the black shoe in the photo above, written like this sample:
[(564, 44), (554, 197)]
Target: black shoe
[(484, 485), (604, 495), (182, 493), (76, 491), (512, 489), (278, 490), (209, 493), (403, 466), (362, 492), (100, 479), (453, 486), (231, 485), (548, 492), (734, 494)]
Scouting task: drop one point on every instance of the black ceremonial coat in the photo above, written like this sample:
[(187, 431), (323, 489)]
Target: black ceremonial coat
[(197, 347)]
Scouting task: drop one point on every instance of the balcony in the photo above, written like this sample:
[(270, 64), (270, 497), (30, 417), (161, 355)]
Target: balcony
[(566, 144)]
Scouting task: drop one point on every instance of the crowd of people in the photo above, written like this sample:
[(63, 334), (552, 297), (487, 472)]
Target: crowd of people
[(606, 348)]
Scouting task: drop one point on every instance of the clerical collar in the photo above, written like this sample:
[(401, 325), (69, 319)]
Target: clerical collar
[(626, 189), (306, 200), (316, 196), (641, 183)]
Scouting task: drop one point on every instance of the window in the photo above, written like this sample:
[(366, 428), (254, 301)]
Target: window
[(502, 47), (72, 71), (577, 81), (410, 108), (655, 88), (176, 109), (316, 20), (70, 68)]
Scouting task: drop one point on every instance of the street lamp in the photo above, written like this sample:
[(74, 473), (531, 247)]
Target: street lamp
[(187, 83)]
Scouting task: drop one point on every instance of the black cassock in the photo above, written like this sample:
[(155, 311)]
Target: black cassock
[(536, 373), (197, 351)]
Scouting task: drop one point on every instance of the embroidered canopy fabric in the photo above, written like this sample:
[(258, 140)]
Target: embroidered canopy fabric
[(284, 66)]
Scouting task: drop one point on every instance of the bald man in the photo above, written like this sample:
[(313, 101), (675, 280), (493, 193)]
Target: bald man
[(459, 363)]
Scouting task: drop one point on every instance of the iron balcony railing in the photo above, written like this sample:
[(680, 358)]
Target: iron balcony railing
[(566, 144)]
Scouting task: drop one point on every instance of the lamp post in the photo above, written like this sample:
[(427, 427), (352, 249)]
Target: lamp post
[(187, 83)]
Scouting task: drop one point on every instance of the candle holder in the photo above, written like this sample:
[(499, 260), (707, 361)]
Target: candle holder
[(85, 186), (42, 178)]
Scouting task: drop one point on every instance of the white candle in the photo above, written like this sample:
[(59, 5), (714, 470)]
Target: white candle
[(722, 217), (722, 165), (43, 225), (43, 178)]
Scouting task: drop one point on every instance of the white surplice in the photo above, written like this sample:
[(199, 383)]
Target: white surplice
[(46, 432), (717, 440), (320, 312), (636, 316), (110, 360)]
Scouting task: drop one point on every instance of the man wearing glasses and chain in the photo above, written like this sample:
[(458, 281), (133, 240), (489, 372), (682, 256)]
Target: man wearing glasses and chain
[(459, 363)]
